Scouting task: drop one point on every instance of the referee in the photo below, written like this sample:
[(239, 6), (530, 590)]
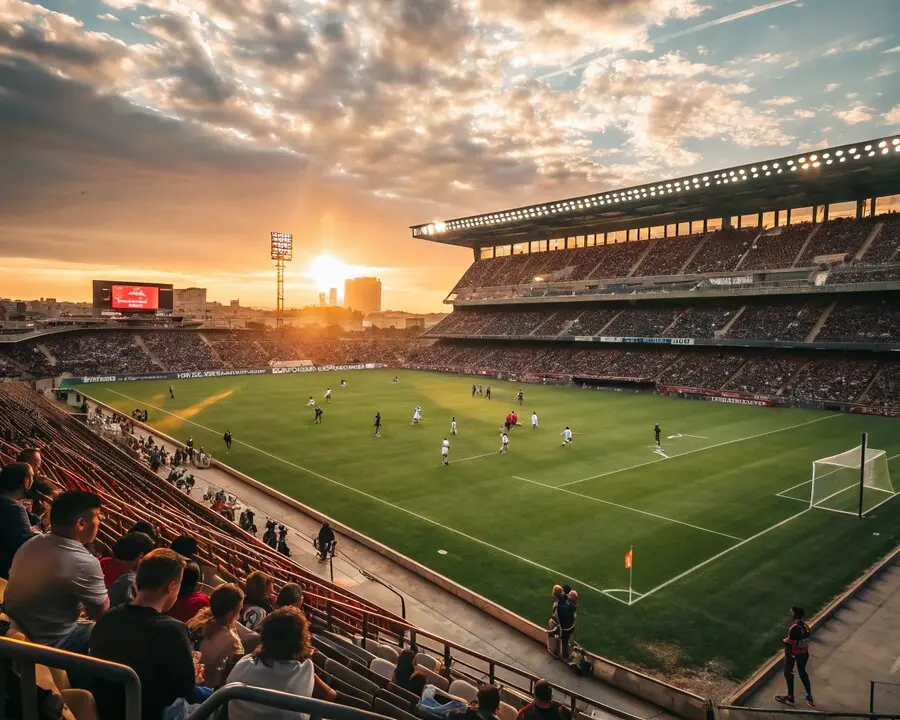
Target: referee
[(796, 652)]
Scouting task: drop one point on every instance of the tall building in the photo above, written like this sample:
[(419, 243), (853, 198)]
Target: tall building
[(332, 297), (190, 302), (363, 294), (321, 299)]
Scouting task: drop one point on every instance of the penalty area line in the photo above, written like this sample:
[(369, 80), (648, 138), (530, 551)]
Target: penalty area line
[(382, 501), (474, 457)]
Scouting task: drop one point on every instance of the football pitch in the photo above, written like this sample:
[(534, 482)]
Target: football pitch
[(724, 539)]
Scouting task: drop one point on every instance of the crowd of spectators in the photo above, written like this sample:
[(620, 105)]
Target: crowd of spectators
[(702, 322), (591, 322), (241, 353), (764, 375), (884, 245), (843, 274), (82, 354), (702, 370), (834, 379), (617, 260), (875, 320), (722, 251), (181, 350), (885, 389), (668, 255), (782, 319), (643, 321), (777, 248), (843, 236)]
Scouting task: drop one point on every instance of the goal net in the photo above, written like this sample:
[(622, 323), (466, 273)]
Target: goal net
[(836, 481)]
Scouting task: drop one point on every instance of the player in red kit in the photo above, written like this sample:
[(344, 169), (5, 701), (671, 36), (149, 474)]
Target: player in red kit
[(796, 652)]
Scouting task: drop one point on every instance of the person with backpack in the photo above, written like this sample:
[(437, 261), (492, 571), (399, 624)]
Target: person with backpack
[(796, 652)]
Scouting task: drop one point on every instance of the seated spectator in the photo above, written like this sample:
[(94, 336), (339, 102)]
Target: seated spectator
[(43, 491), (147, 529), (215, 629), (190, 601), (32, 456), (185, 545), (290, 595), (486, 706), (123, 559), (282, 662), (403, 671), (433, 702), (54, 579), (127, 553), (144, 638), (543, 707), (15, 527), (259, 594)]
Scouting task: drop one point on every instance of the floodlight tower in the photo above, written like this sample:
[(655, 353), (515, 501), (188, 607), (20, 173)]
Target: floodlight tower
[(282, 252)]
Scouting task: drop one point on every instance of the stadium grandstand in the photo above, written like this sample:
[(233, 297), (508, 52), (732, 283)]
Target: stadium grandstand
[(775, 283)]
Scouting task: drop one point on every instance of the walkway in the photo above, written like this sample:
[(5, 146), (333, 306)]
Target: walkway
[(859, 643), (427, 605)]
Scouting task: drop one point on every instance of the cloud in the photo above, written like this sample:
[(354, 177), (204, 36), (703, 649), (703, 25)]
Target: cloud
[(868, 44), (803, 114), (831, 87), (806, 146), (857, 113), (792, 66), (108, 16), (892, 116), (778, 101), (894, 49)]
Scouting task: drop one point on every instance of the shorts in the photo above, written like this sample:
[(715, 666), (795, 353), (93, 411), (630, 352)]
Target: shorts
[(445, 452)]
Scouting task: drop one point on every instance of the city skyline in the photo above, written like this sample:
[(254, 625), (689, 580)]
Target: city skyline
[(162, 142)]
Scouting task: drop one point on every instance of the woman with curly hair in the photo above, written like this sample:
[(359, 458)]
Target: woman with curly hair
[(214, 628)]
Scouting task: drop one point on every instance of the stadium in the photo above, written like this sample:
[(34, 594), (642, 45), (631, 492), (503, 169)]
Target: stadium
[(721, 345)]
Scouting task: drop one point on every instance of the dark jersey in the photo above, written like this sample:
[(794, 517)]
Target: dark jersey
[(378, 420)]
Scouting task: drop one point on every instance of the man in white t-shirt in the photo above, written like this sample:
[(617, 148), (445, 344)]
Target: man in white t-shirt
[(534, 420), (567, 436), (445, 452), (504, 443), (453, 425)]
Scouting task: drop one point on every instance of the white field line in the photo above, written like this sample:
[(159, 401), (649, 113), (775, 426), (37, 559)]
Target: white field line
[(377, 499), (718, 555), (626, 507), (702, 449), (475, 457), (783, 493)]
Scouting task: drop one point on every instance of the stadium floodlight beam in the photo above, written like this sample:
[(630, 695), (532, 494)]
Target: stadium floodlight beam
[(282, 251)]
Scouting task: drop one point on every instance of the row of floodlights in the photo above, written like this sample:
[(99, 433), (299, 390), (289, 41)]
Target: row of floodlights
[(799, 164)]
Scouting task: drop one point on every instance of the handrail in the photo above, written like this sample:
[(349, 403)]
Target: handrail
[(33, 654), (280, 700)]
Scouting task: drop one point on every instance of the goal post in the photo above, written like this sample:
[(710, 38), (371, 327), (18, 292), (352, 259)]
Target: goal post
[(853, 482)]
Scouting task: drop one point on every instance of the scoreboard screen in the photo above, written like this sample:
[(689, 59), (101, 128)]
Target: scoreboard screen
[(135, 297), (122, 297)]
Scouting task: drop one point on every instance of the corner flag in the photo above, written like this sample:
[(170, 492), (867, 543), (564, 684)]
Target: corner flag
[(628, 558)]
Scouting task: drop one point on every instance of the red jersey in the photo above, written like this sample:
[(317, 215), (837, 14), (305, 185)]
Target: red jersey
[(797, 640)]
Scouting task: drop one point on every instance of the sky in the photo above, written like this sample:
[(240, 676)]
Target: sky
[(163, 140)]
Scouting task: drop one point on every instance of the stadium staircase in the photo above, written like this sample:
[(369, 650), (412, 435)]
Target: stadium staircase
[(723, 332), (867, 243), (45, 351), (823, 318), (139, 341), (790, 381), (212, 350), (747, 252), (694, 253), (806, 243), (864, 398), (651, 246)]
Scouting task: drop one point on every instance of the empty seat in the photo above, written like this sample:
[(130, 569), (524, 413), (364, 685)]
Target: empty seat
[(346, 688), (329, 650), (397, 700), (439, 681), (355, 679), (463, 690), (382, 650), (347, 646), (403, 692), (506, 712), (382, 667), (426, 661), (382, 707), (353, 701), (380, 680)]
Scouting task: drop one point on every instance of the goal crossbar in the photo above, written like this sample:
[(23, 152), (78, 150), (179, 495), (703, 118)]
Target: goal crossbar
[(861, 468)]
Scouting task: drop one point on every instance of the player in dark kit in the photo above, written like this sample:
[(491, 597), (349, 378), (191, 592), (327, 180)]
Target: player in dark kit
[(474, 390), (487, 393), (227, 438), (657, 431), (171, 392), (796, 652), (318, 418), (520, 396), (378, 424)]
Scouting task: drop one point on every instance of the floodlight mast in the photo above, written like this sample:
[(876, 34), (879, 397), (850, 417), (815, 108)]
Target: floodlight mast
[(282, 251)]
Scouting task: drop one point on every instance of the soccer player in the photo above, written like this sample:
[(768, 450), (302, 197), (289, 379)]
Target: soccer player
[(487, 393), (445, 452), (171, 392), (534, 420), (318, 418), (453, 425), (474, 390), (345, 384), (796, 652), (566, 436), (378, 424), (227, 438), (328, 394), (395, 381), (504, 443), (520, 396), (657, 431), (310, 402), (417, 415)]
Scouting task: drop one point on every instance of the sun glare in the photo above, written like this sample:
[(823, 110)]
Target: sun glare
[(327, 272)]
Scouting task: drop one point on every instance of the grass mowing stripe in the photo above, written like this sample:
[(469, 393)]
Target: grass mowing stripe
[(382, 501), (560, 488), (696, 450), (720, 554)]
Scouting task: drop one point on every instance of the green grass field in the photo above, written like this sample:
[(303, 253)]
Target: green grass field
[(719, 555)]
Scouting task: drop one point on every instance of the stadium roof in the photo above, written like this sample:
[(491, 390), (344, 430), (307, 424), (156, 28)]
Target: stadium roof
[(842, 173)]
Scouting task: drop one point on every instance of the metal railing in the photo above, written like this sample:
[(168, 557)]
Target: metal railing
[(26, 655), (315, 709)]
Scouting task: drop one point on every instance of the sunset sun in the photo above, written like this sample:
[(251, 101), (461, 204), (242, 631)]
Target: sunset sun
[(327, 271)]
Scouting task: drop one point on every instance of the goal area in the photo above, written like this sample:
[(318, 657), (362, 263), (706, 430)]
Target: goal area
[(853, 482)]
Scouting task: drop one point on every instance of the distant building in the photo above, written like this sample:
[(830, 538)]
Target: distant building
[(415, 322), (321, 299), (332, 297), (363, 294), (190, 302)]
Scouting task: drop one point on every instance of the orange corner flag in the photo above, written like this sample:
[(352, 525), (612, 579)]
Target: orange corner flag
[(628, 558)]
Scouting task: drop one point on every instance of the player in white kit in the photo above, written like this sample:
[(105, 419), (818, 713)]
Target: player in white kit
[(417, 415), (310, 402), (566, 436), (534, 420), (327, 394), (504, 443), (453, 425), (445, 452)]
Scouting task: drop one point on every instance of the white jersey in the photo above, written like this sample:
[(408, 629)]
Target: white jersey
[(445, 447), (567, 435), (417, 414), (310, 403), (534, 421), (328, 393), (505, 439), (453, 426)]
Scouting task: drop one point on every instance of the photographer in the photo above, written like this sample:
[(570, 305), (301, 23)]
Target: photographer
[(325, 543), (282, 546)]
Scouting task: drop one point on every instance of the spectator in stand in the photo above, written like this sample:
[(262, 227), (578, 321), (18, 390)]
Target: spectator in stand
[(290, 595), (15, 527), (54, 578), (543, 707), (186, 546), (259, 596), (190, 600), (144, 638), (282, 662), (122, 566), (216, 628), (403, 671), (486, 706), (433, 702), (147, 529), (43, 491), (32, 456)]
